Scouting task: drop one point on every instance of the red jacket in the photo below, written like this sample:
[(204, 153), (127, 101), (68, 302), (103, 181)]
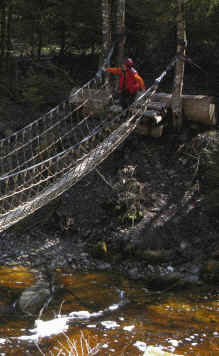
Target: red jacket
[(129, 80)]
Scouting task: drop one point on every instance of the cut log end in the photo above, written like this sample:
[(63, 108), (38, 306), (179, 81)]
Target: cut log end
[(199, 108)]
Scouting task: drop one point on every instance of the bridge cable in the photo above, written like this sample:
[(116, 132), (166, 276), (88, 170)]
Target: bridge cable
[(64, 169)]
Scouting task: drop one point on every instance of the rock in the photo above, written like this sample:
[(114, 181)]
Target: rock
[(104, 266), (157, 256), (210, 271), (191, 279), (157, 280), (184, 245), (133, 273), (33, 298)]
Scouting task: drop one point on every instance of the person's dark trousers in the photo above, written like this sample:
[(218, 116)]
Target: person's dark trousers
[(126, 99)]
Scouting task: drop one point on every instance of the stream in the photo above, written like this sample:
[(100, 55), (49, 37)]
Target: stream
[(106, 314)]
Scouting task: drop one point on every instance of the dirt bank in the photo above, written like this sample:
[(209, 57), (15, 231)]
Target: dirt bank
[(85, 232)]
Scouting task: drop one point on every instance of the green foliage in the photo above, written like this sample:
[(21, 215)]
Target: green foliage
[(201, 25), (151, 28), (126, 202), (150, 24), (66, 24), (71, 26)]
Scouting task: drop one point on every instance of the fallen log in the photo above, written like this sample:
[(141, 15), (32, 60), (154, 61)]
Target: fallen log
[(199, 108)]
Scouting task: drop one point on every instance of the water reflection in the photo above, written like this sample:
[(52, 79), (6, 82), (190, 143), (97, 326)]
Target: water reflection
[(110, 315)]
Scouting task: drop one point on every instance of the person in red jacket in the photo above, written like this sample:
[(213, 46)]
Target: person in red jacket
[(130, 82)]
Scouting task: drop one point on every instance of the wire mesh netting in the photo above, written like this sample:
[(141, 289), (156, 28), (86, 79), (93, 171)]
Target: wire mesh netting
[(48, 156)]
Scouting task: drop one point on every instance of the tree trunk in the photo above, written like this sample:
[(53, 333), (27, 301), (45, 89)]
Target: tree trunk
[(179, 69), (106, 34), (106, 27), (9, 45), (3, 30), (120, 29), (62, 39), (32, 39), (39, 42)]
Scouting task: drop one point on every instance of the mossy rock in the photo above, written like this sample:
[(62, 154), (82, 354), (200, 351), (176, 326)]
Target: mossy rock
[(100, 250)]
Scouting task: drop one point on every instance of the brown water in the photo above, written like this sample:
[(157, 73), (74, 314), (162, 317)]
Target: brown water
[(120, 316)]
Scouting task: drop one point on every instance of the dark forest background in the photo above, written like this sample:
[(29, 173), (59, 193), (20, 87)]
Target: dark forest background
[(49, 46)]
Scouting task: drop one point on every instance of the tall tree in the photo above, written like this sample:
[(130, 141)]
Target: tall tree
[(106, 35), (120, 29), (113, 25), (179, 69), (106, 26), (3, 29)]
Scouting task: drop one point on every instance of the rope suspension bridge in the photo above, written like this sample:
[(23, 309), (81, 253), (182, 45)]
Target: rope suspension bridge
[(47, 157)]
